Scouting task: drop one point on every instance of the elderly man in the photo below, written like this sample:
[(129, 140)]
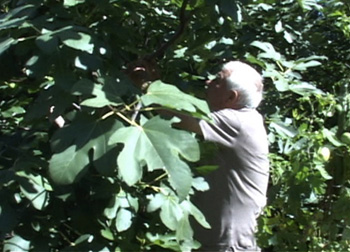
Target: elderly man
[(238, 187)]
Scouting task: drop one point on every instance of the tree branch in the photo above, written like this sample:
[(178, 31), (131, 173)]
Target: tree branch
[(183, 22)]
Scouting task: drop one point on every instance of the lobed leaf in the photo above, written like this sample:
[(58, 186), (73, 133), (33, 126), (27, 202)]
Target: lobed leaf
[(159, 146), (66, 166), (73, 144)]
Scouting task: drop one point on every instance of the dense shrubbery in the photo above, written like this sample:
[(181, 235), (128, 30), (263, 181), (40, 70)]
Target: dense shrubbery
[(117, 176)]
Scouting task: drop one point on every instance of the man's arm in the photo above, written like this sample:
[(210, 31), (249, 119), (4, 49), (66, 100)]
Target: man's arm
[(142, 71), (187, 122)]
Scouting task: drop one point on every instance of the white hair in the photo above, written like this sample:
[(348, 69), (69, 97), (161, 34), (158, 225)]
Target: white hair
[(246, 81)]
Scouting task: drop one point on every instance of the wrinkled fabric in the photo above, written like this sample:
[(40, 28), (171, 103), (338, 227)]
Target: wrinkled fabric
[(238, 187)]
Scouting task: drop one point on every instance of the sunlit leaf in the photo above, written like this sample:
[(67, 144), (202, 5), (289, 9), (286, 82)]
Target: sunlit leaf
[(283, 129), (77, 40), (69, 3), (305, 89), (102, 94), (199, 183), (170, 96), (171, 213), (331, 137), (196, 213), (159, 146), (6, 43), (47, 42), (124, 219), (17, 243), (156, 201), (269, 50)]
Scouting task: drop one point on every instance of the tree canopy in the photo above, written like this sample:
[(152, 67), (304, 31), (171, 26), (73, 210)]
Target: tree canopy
[(86, 162)]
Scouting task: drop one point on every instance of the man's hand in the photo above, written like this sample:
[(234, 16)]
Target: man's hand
[(187, 122), (142, 72)]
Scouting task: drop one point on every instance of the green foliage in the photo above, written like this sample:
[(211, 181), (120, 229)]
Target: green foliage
[(117, 176)]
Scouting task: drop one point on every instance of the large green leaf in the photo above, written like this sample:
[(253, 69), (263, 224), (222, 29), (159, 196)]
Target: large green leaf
[(73, 145), (171, 97), (159, 146), (67, 165)]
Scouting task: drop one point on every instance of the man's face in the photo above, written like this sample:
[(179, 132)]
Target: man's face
[(217, 92)]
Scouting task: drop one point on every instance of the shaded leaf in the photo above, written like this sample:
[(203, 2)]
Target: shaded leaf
[(73, 144), (206, 169), (232, 9), (67, 165), (47, 42)]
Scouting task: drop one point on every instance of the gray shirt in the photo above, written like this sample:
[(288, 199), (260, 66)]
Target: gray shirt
[(238, 187)]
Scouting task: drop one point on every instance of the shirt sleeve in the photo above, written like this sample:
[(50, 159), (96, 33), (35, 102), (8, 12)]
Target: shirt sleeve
[(225, 128)]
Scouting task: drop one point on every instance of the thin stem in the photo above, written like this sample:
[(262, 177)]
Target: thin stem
[(66, 239), (110, 113), (114, 111), (137, 110), (133, 123), (159, 177)]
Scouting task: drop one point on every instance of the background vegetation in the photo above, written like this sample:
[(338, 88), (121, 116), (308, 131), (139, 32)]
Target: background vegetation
[(117, 177)]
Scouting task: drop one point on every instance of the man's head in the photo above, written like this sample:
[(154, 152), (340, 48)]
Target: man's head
[(237, 85)]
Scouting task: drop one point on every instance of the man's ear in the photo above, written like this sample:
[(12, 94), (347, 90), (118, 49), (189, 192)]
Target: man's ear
[(232, 99)]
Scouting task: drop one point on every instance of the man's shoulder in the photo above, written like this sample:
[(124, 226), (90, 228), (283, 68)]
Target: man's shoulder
[(233, 114)]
